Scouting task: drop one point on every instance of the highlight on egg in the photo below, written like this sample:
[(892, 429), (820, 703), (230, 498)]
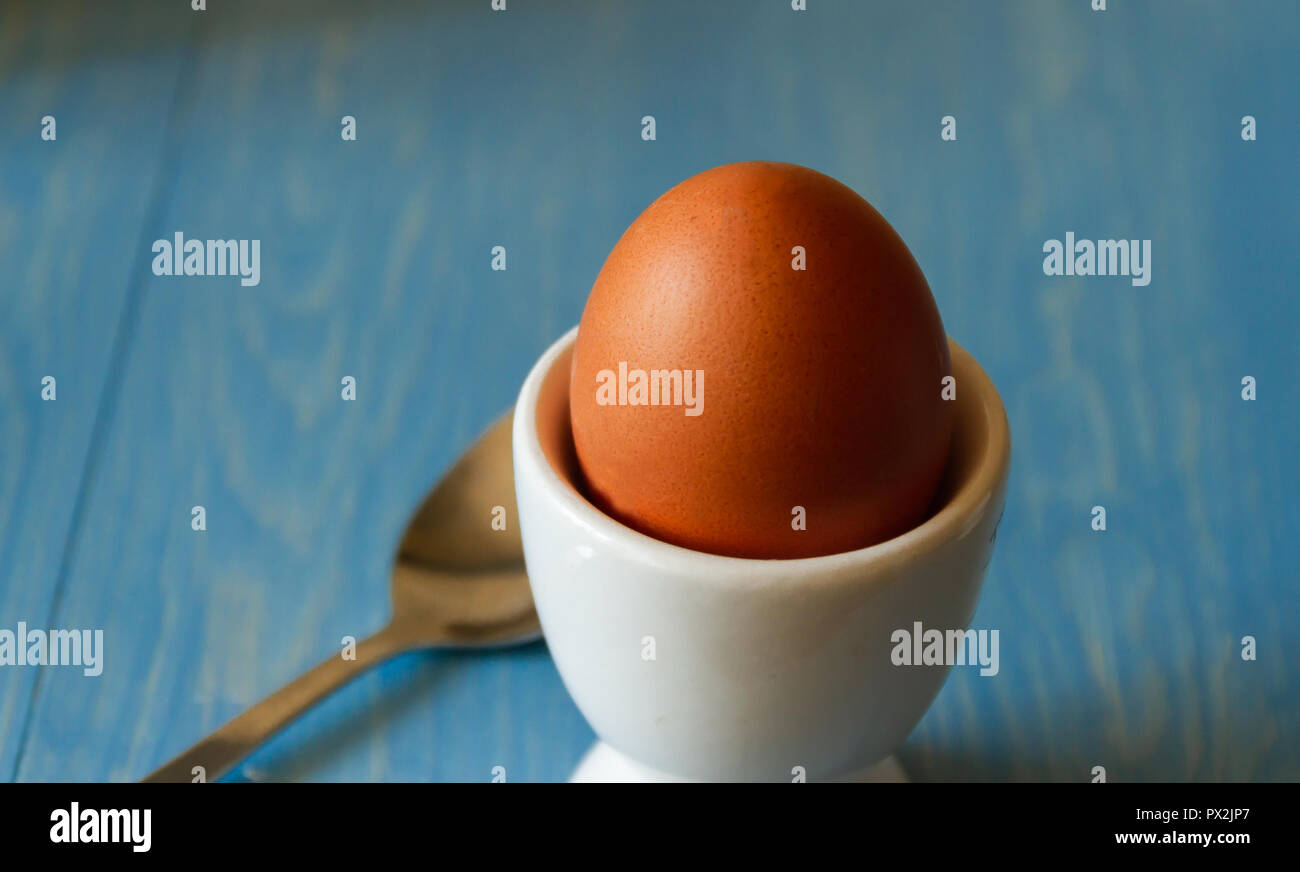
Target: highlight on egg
[(759, 370)]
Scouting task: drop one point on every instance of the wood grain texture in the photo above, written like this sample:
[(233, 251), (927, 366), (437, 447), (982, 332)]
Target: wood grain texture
[(522, 129), (71, 211)]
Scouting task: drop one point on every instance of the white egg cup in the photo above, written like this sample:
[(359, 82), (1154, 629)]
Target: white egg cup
[(694, 666)]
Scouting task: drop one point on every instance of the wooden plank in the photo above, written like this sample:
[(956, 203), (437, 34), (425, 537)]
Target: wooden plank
[(380, 275), (1119, 649), (71, 211)]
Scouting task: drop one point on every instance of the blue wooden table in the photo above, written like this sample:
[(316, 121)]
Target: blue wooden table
[(522, 128)]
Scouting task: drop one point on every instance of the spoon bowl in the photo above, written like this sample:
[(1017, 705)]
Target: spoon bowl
[(459, 574)]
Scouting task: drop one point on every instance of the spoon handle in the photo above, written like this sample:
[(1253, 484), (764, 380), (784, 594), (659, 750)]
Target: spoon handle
[(224, 749)]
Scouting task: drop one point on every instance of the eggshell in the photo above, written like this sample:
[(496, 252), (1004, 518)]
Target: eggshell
[(821, 392)]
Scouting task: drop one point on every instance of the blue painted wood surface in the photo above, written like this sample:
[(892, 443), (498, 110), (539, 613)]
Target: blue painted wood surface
[(522, 129)]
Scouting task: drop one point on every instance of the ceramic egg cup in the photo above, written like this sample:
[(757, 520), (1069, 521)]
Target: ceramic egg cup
[(695, 666)]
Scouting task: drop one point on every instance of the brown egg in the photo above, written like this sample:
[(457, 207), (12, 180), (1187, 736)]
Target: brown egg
[(724, 400)]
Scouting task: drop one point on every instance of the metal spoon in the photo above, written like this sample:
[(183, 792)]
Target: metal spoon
[(456, 582)]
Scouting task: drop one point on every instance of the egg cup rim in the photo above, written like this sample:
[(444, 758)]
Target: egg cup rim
[(959, 514)]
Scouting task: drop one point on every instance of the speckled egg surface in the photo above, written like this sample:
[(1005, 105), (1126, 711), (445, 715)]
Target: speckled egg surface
[(758, 370)]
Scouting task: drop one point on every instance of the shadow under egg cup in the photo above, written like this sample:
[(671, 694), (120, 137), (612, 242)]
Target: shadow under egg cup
[(697, 666)]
